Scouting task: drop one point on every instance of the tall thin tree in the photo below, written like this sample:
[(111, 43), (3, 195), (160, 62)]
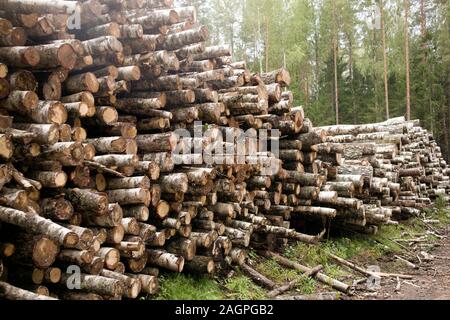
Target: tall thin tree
[(335, 58), (385, 59), (408, 84), (423, 21), (259, 37), (266, 41), (426, 69)]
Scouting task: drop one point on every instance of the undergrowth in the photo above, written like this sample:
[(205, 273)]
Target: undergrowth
[(440, 211), (187, 287), (241, 287), (358, 248)]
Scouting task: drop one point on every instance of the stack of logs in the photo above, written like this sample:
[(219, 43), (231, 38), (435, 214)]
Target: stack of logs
[(106, 172), (399, 166)]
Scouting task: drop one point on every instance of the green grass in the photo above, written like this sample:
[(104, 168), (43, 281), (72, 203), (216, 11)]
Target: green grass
[(240, 287), (187, 287), (440, 211), (275, 272), (359, 246), (281, 275)]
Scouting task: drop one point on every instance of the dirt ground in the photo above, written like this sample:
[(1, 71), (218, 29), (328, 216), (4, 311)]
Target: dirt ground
[(431, 280)]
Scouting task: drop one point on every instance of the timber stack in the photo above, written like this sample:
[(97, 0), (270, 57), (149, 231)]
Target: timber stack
[(105, 170), (396, 168)]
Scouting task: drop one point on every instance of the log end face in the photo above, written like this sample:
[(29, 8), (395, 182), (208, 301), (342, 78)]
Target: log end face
[(30, 100), (162, 209), (135, 289), (57, 114), (71, 240), (91, 82), (66, 56), (110, 115), (44, 252), (180, 264), (31, 57), (60, 179), (210, 267), (174, 17)]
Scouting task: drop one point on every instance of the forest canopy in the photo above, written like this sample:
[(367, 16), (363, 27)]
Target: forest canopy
[(353, 56)]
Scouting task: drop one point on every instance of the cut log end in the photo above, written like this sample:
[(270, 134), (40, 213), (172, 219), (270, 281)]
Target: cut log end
[(31, 57)]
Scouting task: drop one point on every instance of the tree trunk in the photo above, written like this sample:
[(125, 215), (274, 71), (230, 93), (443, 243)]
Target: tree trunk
[(335, 62), (149, 283), (111, 257), (165, 260), (20, 57), (132, 286), (39, 225), (406, 32), (9, 292), (40, 249), (385, 60), (98, 284), (258, 277)]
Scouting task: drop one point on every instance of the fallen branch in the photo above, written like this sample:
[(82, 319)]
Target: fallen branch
[(289, 286), (353, 266), (312, 297), (258, 277), (10, 292), (442, 258), (103, 168), (408, 263), (338, 285), (27, 184)]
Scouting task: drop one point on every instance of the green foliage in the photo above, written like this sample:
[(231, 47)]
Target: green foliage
[(440, 211), (442, 204), (272, 270)]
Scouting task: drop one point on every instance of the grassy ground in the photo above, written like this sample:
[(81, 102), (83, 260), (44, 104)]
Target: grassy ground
[(363, 249)]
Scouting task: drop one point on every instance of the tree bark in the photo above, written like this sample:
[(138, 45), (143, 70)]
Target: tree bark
[(20, 57), (335, 63), (39, 225), (165, 260), (385, 60), (10, 292), (98, 284)]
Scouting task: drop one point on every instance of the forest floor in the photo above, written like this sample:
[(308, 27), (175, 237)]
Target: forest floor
[(431, 279), (423, 241)]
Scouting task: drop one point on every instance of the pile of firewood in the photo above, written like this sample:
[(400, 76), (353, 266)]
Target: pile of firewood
[(107, 172)]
